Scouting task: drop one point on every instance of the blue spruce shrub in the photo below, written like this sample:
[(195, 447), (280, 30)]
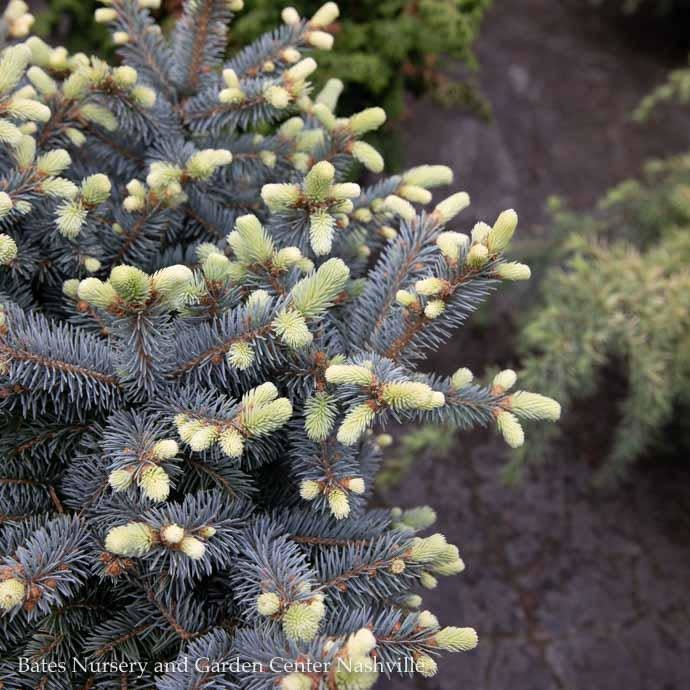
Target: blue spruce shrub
[(203, 322)]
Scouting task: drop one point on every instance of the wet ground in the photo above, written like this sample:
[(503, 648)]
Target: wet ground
[(570, 588), (562, 80)]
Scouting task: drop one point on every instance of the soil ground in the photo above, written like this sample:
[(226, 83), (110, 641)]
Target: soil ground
[(570, 588)]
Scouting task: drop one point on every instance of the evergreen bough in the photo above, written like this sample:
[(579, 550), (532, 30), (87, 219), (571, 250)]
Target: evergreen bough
[(194, 350)]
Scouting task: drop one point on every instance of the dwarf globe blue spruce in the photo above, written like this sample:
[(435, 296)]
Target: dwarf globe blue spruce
[(204, 323)]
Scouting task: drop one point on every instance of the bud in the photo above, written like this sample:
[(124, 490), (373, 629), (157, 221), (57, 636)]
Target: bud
[(204, 438), (75, 136), (510, 429), (417, 195), (319, 416), (290, 16), (231, 443), (345, 190), (450, 207), (165, 449), (330, 93), (97, 293), (279, 197), (453, 567), (53, 162), (103, 15), (356, 485), (171, 282), (8, 250), (132, 540), (502, 231), (428, 581), (417, 518), (354, 374), (301, 70), (322, 113), (91, 264), (120, 38), (317, 183), (232, 95), (454, 639), (319, 39), (426, 666), (70, 217), (412, 601), (309, 489), (366, 120), (120, 480), (480, 232), (477, 256), (193, 548), (405, 298), (411, 395), (277, 96), (12, 593), (535, 406), (434, 308), (125, 76), (290, 55), (162, 174), (368, 156), (461, 378), (361, 643), (325, 15), (241, 355), (397, 566), (288, 256), (338, 503), (44, 83), (59, 187), (356, 422), (428, 549), (268, 158), (301, 622), (70, 288), (321, 232), (428, 176), (130, 283), (27, 109), (291, 128), (295, 681), (155, 483), (512, 270), (430, 286), (292, 329), (505, 379), (426, 619), (268, 603), (6, 204), (203, 164), (172, 534), (95, 189), (452, 244)]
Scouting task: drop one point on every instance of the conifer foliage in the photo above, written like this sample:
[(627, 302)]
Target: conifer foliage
[(203, 324)]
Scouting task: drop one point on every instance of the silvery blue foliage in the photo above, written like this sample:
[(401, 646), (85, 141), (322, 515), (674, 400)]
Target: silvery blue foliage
[(203, 323)]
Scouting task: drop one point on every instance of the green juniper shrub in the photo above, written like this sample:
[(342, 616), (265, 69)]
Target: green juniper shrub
[(621, 295)]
